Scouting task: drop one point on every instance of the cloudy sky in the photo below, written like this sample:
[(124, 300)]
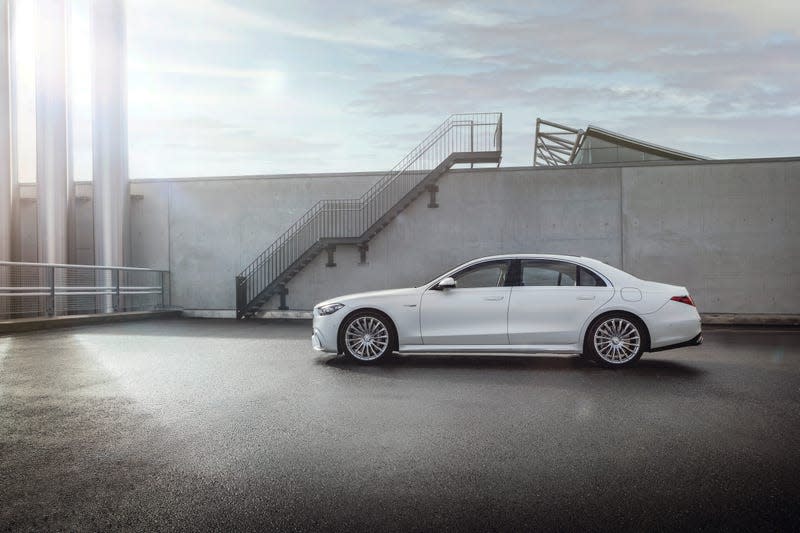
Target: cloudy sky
[(225, 87)]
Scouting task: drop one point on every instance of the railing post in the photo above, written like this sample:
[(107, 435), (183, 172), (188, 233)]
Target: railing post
[(500, 141), (116, 290), (51, 298), (471, 135), (472, 140), (163, 289), (241, 296)]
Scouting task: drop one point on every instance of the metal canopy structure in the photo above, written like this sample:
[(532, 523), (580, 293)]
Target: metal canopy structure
[(559, 145), (555, 144)]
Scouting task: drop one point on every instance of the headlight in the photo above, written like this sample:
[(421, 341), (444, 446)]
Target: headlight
[(329, 309)]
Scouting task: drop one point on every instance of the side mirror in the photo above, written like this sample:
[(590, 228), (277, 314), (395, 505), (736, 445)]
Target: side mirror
[(446, 283)]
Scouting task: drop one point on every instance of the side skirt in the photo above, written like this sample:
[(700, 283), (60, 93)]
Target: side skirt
[(489, 348)]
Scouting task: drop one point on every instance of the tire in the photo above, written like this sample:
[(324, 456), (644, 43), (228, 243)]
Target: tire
[(615, 341), (368, 337)]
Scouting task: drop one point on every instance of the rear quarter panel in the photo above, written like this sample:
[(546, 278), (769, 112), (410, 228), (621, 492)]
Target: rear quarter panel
[(651, 299)]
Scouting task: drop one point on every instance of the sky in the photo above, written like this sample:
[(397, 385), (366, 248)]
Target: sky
[(239, 87)]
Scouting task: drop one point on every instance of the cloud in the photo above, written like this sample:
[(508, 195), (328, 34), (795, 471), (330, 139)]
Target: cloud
[(210, 147), (258, 87), (618, 63)]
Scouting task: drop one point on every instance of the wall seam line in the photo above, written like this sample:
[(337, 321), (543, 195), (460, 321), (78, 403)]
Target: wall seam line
[(621, 225)]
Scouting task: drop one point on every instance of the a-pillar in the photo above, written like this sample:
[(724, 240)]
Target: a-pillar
[(52, 148), (111, 187)]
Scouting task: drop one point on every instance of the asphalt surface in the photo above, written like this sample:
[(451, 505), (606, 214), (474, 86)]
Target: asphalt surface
[(213, 424)]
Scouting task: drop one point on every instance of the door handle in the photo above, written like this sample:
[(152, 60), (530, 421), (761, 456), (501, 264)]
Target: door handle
[(493, 298), (586, 297)]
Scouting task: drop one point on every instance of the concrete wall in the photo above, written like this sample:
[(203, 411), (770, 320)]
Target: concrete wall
[(730, 233), (726, 230)]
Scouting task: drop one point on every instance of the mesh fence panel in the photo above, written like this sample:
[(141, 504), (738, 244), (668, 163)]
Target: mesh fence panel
[(32, 290)]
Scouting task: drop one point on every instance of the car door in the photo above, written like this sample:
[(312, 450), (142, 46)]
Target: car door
[(551, 300), (474, 312)]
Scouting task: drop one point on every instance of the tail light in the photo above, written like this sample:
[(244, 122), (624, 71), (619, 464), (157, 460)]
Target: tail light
[(683, 299)]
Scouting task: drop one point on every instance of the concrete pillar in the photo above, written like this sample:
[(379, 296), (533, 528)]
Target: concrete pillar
[(111, 195), (6, 218), (52, 154)]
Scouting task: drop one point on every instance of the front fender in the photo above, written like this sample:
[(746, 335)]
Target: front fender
[(403, 314)]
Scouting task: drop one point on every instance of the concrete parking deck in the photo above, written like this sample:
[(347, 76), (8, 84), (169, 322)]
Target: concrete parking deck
[(195, 424)]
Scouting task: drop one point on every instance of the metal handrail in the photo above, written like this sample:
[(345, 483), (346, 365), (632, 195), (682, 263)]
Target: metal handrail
[(85, 267), (352, 218), (51, 289)]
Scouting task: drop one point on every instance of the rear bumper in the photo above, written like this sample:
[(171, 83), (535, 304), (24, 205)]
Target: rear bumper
[(696, 341), (674, 324)]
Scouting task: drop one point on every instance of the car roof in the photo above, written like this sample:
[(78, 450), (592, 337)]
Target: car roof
[(530, 256), (615, 275)]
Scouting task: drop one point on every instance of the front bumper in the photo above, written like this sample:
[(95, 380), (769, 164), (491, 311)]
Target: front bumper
[(315, 342), (325, 332)]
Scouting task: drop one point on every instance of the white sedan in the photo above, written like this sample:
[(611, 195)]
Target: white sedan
[(514, 303)]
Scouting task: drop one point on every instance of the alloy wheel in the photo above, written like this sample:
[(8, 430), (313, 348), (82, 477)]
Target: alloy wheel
[(367, 338), (617, 340)]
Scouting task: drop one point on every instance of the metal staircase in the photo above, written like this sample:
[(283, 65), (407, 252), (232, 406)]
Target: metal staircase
[(461, 139)]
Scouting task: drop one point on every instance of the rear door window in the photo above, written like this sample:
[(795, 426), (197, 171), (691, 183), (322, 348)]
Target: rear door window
[(546, 273)]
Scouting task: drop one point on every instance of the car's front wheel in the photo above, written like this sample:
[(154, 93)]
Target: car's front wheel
[(615, 340), (368, 337)]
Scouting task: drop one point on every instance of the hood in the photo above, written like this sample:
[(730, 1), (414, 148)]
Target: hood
[(371, 294)]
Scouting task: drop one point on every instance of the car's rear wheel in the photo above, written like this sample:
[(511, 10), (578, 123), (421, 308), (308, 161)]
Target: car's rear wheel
[(615, 340), (368, 337)]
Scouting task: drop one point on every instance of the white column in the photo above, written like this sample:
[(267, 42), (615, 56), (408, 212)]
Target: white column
[(6, 218), (111, 194), (52, 156), (6, 182)]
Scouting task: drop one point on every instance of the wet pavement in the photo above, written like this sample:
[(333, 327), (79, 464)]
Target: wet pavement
[(217, 424)]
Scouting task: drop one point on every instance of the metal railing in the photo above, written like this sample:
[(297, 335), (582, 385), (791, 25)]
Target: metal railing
[(47, 289), (352, 218)]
